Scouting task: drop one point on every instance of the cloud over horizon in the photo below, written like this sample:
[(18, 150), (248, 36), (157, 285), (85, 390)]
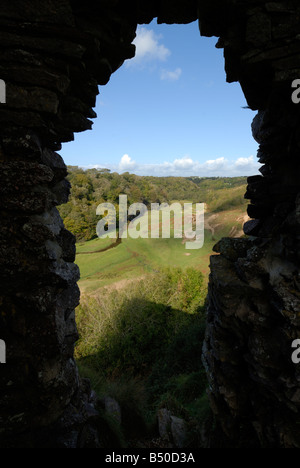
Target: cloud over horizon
[(186, 166)]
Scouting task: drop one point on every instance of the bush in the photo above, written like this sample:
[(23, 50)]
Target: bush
[(142, 346), (130, 330)]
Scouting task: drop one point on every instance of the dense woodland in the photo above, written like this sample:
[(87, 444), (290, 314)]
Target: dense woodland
[(94, 186)]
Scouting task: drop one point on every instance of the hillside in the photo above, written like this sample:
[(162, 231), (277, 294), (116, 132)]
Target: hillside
[(92, 187), (141, 319), (104, 262)]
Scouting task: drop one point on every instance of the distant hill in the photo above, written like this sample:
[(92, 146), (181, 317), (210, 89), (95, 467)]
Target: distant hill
[(94, 186)]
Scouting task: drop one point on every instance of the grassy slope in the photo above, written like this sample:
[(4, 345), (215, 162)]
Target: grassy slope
[(177, 380), (135, 258)]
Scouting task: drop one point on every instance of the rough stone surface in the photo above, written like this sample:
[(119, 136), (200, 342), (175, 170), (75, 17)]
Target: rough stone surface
[(113, 409), (164, 424), (179, 432), (54, 54), (172, 430)]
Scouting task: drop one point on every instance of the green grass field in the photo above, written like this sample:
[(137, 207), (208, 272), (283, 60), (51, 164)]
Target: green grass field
[(135, 258), (142, 325)]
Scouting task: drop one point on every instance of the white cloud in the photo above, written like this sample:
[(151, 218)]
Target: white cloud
[(127, 164), (214, 165), (148, 47), (169, 75), (243, 163), (184, 163), (186, 166)]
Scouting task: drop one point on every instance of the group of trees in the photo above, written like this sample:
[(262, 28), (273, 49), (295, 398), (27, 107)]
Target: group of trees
[(95, 186)]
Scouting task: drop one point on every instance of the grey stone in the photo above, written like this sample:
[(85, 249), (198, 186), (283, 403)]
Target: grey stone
[(113, 408), (179, 432)]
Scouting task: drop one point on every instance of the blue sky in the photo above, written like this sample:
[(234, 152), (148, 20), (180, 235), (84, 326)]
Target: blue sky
[(169, 111)]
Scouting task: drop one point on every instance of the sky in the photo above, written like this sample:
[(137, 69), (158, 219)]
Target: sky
[(170, 112)]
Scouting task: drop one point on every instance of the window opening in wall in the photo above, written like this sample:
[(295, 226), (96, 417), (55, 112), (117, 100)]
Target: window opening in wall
[(169, 130)]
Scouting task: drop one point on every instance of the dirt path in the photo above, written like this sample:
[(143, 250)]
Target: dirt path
[(235, 232), (112, 246), (208, 221)]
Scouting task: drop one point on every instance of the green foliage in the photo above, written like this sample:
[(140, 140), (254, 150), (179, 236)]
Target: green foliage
[(128, 331), (179, 376), (93, 187), (190, 289), (131, 395), (142, 346)]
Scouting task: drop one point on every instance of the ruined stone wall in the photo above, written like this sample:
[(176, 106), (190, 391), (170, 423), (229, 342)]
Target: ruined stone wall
[(254, 291), (54, 54), (52, 62)]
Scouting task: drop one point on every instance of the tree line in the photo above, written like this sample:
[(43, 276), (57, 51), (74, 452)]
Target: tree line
[(94, 186)]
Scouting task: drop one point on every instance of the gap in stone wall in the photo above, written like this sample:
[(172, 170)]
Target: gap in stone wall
[(164, 107)]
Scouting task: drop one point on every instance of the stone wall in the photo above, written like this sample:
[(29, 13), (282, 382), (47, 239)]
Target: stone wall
[(52, 60), (54, 54), (254, 291)]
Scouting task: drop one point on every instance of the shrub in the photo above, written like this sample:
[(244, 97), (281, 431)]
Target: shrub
[(142, 346), (130, 330)]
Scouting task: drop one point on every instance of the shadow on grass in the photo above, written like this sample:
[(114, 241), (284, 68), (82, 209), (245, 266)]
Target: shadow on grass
[(146, 355)]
